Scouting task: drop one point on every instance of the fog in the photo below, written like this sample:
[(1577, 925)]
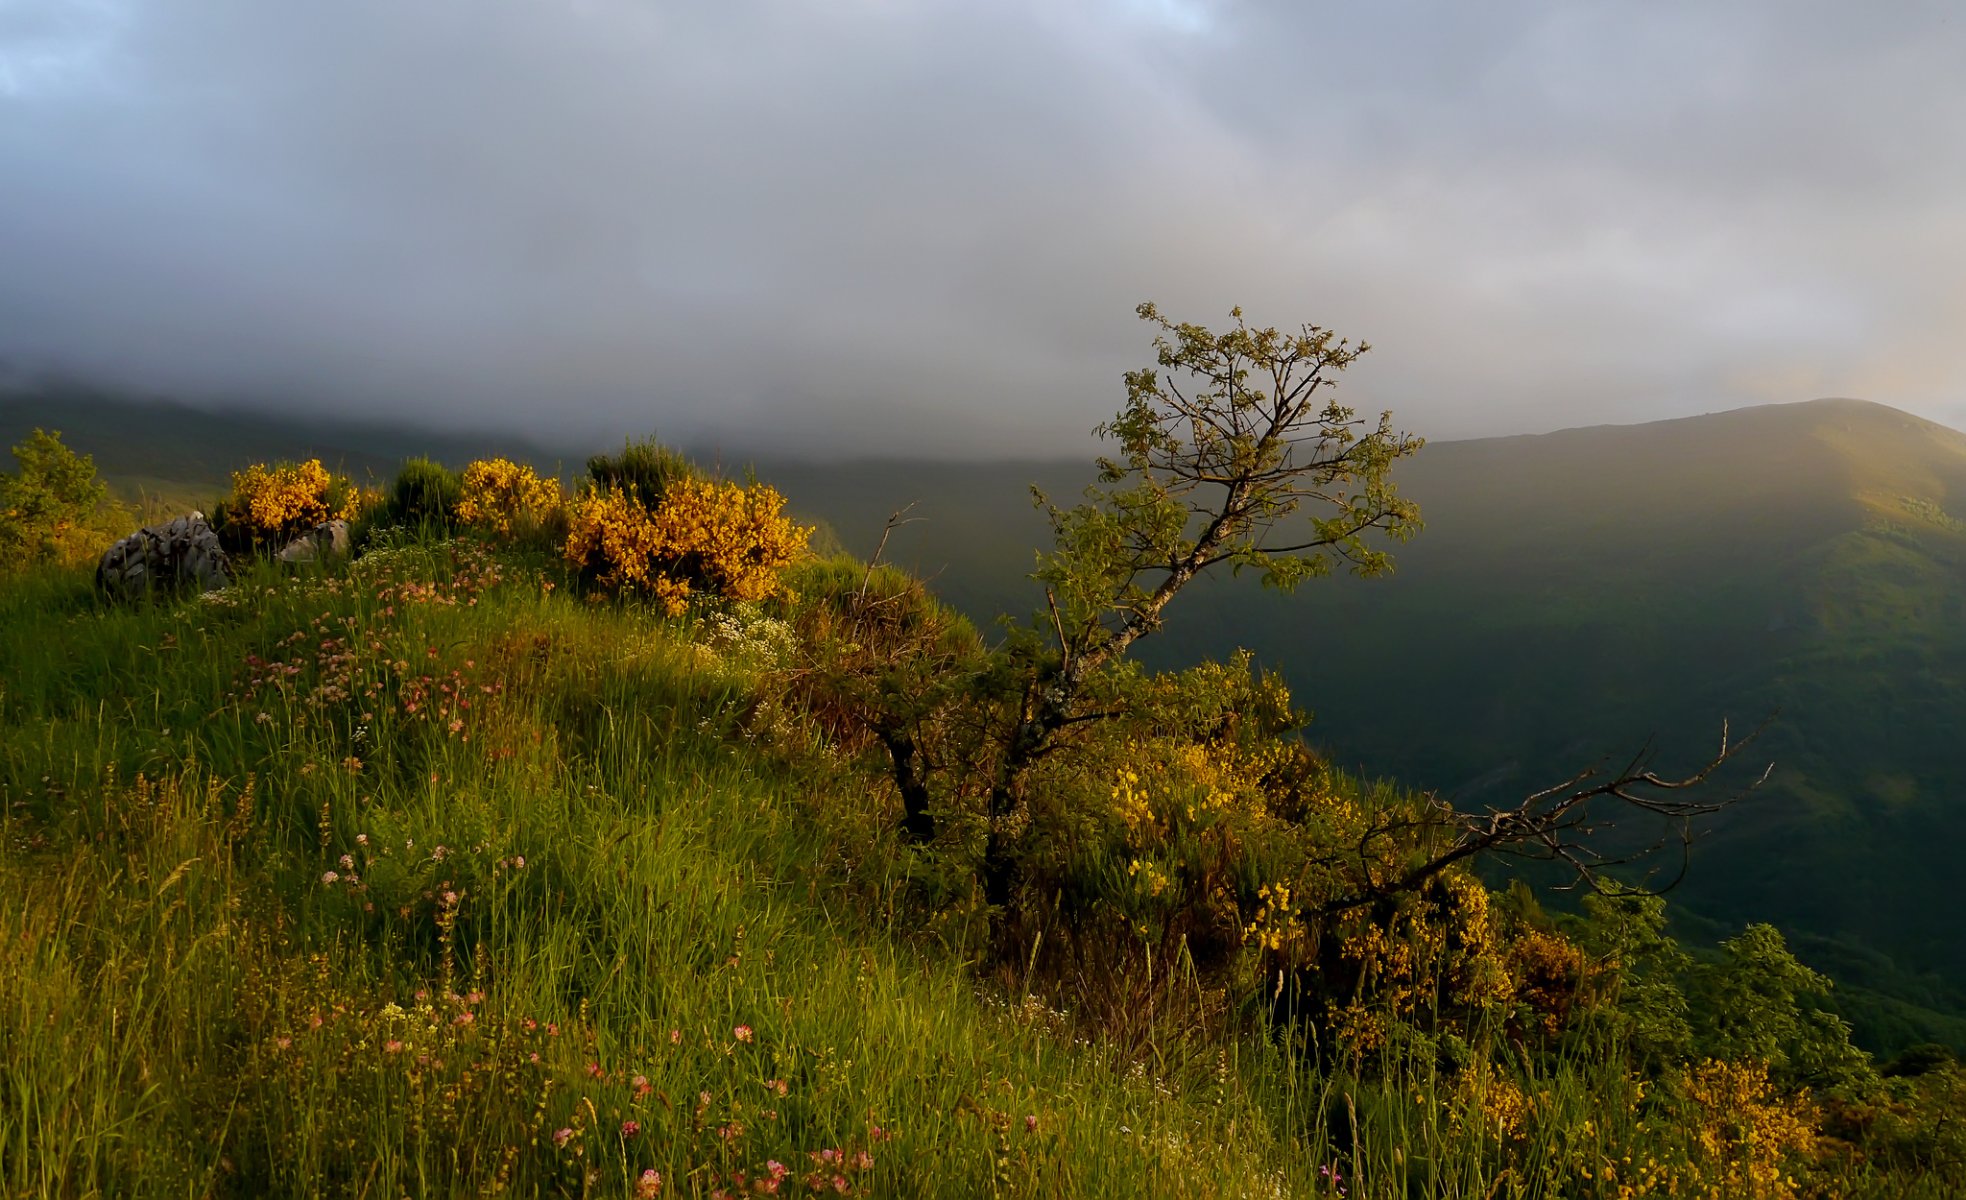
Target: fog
[(895, 226)]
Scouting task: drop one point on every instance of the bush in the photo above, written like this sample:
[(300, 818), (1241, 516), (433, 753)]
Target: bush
[(270, 506), (500, 496), (729, 540), (53, 509), (423, 496), (643, 469)]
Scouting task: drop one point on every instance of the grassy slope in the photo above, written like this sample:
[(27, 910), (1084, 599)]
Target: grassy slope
[(186, 1005), (1574, 595)]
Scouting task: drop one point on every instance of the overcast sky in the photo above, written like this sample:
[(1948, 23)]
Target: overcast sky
[(910, 226)]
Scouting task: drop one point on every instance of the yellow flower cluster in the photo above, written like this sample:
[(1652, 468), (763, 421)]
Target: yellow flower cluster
[(730, 540), (1277, 924), (276, 502), (1148, 876), (499, 495), (1130, 800), (1502, 1108), (1749, 1137)]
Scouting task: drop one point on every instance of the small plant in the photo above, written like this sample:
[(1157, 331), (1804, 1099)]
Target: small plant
[(500, 496)]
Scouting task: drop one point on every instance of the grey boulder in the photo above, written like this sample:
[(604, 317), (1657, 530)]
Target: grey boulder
[(329, 539), (178, 555)]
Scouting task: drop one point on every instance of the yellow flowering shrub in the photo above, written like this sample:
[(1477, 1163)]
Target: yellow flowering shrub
[(723, 538), (1750, 1139), (500, 495), (274, 504), (1550, 972)]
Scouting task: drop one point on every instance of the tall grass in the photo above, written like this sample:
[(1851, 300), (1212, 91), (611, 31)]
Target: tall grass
[(424, 877)]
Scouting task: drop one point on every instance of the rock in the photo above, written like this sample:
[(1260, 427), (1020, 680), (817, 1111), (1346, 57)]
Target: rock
[(329, 539), (181, 553)]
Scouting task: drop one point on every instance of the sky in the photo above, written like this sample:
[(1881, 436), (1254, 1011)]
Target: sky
[(897, 226)]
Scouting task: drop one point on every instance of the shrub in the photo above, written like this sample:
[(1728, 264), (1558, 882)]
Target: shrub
[(273, 505), (53, 509), (498, 495), (423, 496), (644, 469), (722, 538)]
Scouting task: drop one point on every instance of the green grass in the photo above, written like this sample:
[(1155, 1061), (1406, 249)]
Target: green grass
[(170, 944)]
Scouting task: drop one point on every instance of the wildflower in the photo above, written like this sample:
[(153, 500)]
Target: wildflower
[(742, 1033), (675, 1037), (594, 1070), (630, 1128), (519, 861), (560, 1137), (463, 1018), (863, 1161), (1031, 1124), (392, 1046), (641, 1085), (649, 1184), (776, 1085), (330, 878), (876, 1133), (840, 1184)]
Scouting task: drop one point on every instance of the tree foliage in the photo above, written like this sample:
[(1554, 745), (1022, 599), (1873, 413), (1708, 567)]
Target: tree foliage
[(52, 508)]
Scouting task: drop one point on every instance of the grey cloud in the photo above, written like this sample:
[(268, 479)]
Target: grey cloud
[(914, 226)]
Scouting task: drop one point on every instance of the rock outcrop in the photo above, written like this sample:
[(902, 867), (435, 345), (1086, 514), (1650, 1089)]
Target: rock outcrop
[(329, 539), (178, 555)]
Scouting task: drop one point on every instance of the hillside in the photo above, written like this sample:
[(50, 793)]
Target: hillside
[(1576, 597), (478, 863), (1579, 596)]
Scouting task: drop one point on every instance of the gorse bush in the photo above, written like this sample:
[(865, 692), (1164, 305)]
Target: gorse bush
[(272, 505), (500, 496), (704, 536)]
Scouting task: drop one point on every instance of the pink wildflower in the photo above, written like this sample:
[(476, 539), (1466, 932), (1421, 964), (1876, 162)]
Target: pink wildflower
[(630, 1128), (742, 1033), (560, 1137), (649, 1185)]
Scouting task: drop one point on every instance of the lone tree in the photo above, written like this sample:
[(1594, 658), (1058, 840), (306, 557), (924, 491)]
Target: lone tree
[(1232, 453)]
